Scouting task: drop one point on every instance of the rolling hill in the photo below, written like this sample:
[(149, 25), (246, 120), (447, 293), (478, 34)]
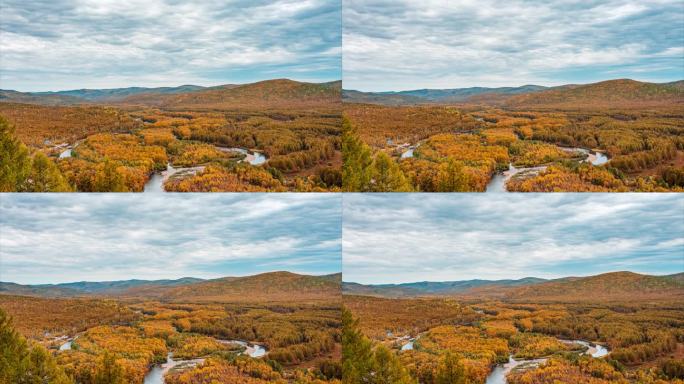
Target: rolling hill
[(614, 286), (429, 288), (38, 291), (84, 288), (272, 286), (607, 286), (619, 93), (677, 276), (351, 96), (441, 96), (10, 96), (89, 96), (99, 95), (279, 93), (606, 94)]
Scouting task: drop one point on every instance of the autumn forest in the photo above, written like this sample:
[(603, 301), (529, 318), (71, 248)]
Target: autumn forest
[(611, 328), (276, 135), (611, 136), (234, 330)]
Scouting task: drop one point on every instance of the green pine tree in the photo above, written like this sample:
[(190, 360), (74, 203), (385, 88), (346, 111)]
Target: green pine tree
[(109, 371), (45, 176), (357, 161), (450, 371), (15, 162), (388, 369), (357, 355), (24, 364), (363, 364), (387, 176), (451, 177)]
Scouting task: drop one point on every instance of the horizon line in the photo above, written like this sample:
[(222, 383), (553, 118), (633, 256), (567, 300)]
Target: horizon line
[(177, 86), (510, 86), (514, 279), (318, 274)]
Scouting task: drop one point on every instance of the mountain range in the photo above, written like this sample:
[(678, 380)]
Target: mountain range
[(432, 287), (285, 93), (444, 96), (271, 286), (610, 93), (608, 286), (268, 93)]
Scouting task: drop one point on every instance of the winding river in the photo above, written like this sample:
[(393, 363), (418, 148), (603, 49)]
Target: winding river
[(409, 152), (408, 346), (67, 149), (498, 374), (156, 182), (156, 374), (66, 153), (594, 157), (252, 350), (498, 182), (252, 157), (66, 346), (595, 350)]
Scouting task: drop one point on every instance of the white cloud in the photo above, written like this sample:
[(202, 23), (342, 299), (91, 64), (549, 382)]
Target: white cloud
[(447, 44), (45, 238), (470, 236), (67, 44)]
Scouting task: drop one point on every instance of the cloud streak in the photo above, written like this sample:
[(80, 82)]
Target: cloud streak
[(399, 45), (395, 238), (67, 44), (47, 239)]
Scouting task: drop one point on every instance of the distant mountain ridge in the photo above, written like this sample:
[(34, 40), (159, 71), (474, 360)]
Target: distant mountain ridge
[(604, 94), (610, 93), (419, 96), (90, 287), (10, 96), (276, 93), (607, 286), (268, 93), (119, 93), (271, 286), (613, 286), (433, 287)]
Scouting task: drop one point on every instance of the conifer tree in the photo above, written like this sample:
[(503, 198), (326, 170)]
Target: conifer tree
[(357, 160), (15, 162), (387, 176), (24, 364)]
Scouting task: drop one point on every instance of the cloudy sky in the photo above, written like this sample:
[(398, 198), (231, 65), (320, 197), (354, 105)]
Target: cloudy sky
[(408, 44), (68, 44), (72, 237), (395, 238)]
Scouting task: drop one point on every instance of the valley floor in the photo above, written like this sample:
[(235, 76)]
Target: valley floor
[(465, 148), (519, 343), (152, 342)]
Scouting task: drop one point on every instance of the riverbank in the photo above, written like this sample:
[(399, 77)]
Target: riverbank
[(156, 374), (157, 180), (498, 182), (500, 371)]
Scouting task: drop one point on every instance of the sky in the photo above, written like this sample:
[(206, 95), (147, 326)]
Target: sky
[(407, 44), (46, 238), (401, 238), (50, 45)]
